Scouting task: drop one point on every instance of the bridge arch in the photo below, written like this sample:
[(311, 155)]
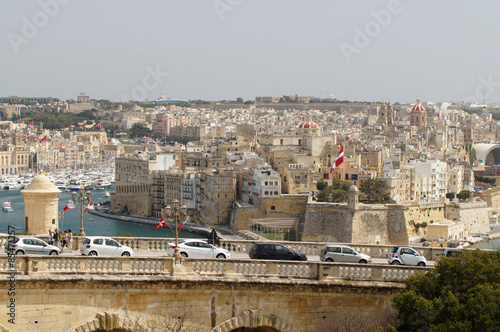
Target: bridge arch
[(109, 322), (255, 319)]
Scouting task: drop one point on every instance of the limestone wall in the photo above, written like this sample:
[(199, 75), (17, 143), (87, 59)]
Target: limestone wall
[(492, 198), (417, 214), (136, 204), (327, 222), (63, 303), (369, 224), (41, 212), (473, 214)]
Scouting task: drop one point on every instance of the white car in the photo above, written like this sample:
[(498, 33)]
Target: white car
[(104, 246), (198, 249), (404, 255)]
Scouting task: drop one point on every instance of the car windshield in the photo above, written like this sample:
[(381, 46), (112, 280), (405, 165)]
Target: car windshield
[(394, 249)]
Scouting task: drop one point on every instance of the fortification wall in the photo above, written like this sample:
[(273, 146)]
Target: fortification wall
[(369, 224), (417, 216)]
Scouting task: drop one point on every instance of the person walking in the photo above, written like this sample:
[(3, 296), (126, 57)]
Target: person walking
[(70, 241), (57, 237), (65, 240), (51, 237)]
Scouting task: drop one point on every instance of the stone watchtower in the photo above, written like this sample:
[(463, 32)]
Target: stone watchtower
[(41, 199), (353, 198)]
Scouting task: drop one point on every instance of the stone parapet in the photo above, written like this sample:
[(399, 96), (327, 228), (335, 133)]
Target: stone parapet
[(244, 246), (204, 269)]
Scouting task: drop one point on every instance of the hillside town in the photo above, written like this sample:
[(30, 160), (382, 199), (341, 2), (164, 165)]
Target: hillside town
[(265, 164)]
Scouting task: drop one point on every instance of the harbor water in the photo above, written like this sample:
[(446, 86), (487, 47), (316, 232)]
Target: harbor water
[(92, 224)]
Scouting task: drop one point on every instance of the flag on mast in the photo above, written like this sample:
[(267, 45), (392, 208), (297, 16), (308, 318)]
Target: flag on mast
[(43, 139), (88, 206), (68, 206), (339, 160), (183, 223), (161, 223)]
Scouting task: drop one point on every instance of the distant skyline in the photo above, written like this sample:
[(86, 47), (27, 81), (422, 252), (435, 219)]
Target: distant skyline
[(224, 49)]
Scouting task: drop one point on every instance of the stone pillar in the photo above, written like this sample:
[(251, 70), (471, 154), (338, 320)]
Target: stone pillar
[(41, 200), (353, 198)]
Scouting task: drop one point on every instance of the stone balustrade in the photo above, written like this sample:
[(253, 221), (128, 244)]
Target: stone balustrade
[(207, 268), (244, 246)]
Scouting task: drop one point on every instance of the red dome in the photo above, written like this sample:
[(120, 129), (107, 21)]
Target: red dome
[(308, 125), (418, 107)]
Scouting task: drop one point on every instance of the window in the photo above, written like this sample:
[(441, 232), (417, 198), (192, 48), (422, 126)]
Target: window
[(354, 176), (112, 243), (276, 193), (334, 249), (98, 241)]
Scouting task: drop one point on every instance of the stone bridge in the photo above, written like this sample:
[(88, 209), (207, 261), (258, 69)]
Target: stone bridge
[(76, 293), (57, 293)]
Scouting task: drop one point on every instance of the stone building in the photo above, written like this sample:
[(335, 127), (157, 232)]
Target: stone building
[(418, 115), (41, 199)]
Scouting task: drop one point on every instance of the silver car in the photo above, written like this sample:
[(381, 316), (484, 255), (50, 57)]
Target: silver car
[(104, 246), (198, 249), (341, 253), (27, 245)]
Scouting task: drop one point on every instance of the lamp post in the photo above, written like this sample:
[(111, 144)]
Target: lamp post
[(81, 200), (176, 216)]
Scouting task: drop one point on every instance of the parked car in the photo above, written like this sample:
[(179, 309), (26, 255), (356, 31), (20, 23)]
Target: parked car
[(452, 252), (266, 250), (404, 255), (342, 253), (27, 245), (104, 246), (198, 249)]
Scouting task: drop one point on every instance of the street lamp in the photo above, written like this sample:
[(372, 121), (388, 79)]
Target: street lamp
[(81, 200), (176, 216)]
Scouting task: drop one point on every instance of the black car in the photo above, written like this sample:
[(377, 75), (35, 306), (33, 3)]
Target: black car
[(266, 250)]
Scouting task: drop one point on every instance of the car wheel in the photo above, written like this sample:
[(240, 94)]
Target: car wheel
[(53, 252), (421, 264), (93, 253), (19, 252), (126, 253), (395, 263), (263, 257), (221, 256), (183, 254), (330, 260), (363, 261)]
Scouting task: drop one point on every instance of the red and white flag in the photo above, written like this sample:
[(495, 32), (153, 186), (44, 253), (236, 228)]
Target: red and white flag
[(31, 123), (339, 160), (183, 223), (161, 223), (88, 206), (68, 206), (59, 146), (302, 117), (25, 137), (98, 125), (43, 139)]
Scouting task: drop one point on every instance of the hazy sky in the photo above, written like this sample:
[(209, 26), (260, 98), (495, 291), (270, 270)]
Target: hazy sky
[(224, 49)]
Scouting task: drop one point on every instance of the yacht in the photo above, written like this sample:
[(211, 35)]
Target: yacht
[(7, 207)]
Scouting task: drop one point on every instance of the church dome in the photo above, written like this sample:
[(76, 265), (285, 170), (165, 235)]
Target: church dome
[(418, 108), (309, 125)]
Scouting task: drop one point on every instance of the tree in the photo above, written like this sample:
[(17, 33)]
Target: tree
[(375, 190), (463, 195), (461, 293), (321, 184), (139, 130), (336, 193), (450, 195)]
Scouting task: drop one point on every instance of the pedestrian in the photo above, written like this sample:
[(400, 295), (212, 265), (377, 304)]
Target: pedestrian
[(65, 240), (51, 237), (70, 241), (57, 236)]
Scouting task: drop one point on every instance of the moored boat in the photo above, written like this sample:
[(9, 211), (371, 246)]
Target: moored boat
[(7, 207)]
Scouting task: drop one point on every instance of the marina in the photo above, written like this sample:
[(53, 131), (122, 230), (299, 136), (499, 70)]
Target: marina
[(70, 219)]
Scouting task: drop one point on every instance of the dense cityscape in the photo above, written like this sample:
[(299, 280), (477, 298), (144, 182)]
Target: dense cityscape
[(249, 166)]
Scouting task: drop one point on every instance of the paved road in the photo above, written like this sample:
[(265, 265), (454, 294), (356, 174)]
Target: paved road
[(144, 253)]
